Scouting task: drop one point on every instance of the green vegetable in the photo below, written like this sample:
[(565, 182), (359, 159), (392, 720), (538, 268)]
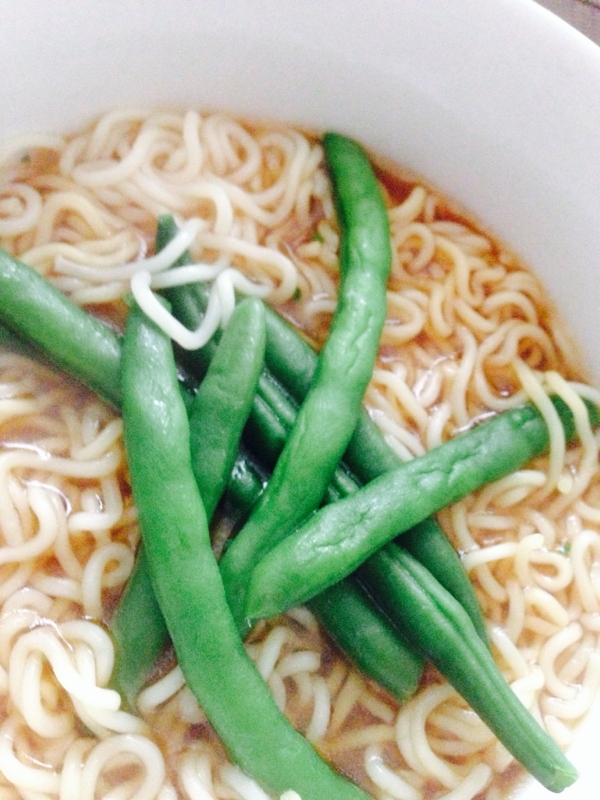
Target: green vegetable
[(435, 623), (74, 340), (137, 626), (329, 413), (368, 456), (369, 638), (224, 399), (340, 537), (430, 546), (293, 362), (188, 585), (216, 419), (378, 649), (291, 366), (139, 633), (272, 416)]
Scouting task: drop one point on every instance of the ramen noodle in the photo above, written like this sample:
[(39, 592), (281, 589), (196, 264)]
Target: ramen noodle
[(469, 332)]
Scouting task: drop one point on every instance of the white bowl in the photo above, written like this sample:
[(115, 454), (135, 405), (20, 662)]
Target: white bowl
[(495, 103)]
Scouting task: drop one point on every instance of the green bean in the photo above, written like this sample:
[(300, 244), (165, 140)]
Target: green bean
[(436, 554), (223, 401), (74, 340), (368, 456), (266, 433), (138, 631), (270, 422), (439, 627), (378, 650), (136, 625), (272, 418), (216, 419), (188, 586), (366, 635), (292, 364), (345, 611), (246, 482), (339, 537), (328, 415)]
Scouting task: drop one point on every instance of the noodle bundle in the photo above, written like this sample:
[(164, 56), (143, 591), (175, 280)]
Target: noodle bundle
[(469, 332)]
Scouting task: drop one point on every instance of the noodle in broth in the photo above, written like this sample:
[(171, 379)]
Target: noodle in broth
[(469, 332)]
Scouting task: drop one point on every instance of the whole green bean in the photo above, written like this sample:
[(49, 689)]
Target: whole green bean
[(216, 419), (224, 398), (138, 631), (366, 635), (266, 433), (76, 341), (137, 626), (394, 667), (368, 456), (339, 537), (292, 364), (439, 627), (188, 586), (328, 415), (436, 554)]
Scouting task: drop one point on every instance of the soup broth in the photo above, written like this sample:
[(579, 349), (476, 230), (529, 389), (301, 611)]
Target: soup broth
[(470, 332)]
